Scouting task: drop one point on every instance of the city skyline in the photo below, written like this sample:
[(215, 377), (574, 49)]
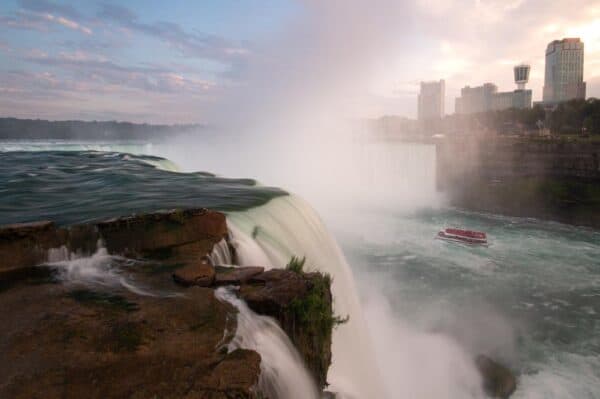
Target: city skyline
[(186, 63)]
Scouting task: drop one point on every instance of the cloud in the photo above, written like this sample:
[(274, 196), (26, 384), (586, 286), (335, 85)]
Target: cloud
[(190, 44), (22, 21), (349, 56), (48, 7), (98, 70), (484, 38), (169, 98), (41, 21), (68, 23)]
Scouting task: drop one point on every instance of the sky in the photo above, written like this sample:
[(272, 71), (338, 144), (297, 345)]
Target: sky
[(204, 61)]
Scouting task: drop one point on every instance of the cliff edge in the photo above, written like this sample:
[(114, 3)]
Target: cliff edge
[(529, 177), (138, 318)]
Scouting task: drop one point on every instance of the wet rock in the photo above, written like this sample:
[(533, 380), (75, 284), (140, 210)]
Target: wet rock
[(302, 304), (58, 344), (182, 236), (157, 234), (498, 381), (25, 245), (235, 375), (271, 292), (113, 345), (236, 275), (200, 273)]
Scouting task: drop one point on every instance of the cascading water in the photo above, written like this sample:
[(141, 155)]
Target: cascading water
[(283, 374), (528, 300), (269, 235), (98, 269)]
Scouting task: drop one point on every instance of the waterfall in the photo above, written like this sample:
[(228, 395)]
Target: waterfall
[(221, 254), (283, 375), (287, 226)]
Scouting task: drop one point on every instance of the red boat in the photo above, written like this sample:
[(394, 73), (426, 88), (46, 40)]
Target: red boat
[(464, 236)]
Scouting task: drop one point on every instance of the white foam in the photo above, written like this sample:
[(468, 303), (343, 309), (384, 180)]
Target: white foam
[(283, 375)]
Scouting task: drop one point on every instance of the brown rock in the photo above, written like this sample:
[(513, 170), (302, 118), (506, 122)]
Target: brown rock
[(272, 291), (201, 274), (151, 234), (302, 304), (236, 374), (25, 245), (237, 275), (498, 381), (59, 344), (182, 236)]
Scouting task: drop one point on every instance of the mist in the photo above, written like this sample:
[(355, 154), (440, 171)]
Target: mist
[(297, 123), (294, 115)]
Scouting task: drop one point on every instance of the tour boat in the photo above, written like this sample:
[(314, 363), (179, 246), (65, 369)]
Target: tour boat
[(463, 236)]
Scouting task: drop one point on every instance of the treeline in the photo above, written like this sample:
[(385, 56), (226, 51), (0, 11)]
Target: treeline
[(571, 117), (576, 116), (37, 129)]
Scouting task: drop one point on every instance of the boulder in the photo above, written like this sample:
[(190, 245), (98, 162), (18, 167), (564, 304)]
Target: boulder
[(236, 275), (200, 273), (156, 234), (271, 292), (498, 381)]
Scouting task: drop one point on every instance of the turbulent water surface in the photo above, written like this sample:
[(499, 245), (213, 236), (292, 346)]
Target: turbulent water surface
[(531, 300), (79, 186)]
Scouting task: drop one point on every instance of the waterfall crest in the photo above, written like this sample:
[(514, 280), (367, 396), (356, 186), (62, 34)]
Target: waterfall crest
[(287, 226)]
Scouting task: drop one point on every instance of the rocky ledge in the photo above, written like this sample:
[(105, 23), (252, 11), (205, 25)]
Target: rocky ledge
[(63, 337)]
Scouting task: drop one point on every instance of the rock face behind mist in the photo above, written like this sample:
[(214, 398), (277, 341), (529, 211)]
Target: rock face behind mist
[(547, 179), (302, 304)]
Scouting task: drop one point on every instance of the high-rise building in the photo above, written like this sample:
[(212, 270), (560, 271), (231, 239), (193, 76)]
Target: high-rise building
[(485, 98), (431, 100), (563, 78), (473, 100)]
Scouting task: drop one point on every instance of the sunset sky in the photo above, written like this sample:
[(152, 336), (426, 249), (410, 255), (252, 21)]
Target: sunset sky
[(178, 62)]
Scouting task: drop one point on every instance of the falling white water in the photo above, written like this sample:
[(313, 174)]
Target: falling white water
[(268, 236), (98, 269), (221, 255), (283, 375)]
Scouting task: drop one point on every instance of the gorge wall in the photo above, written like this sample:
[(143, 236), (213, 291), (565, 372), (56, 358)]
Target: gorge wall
[(531, 177)]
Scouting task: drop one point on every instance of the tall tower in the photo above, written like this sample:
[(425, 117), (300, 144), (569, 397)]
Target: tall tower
[(521, 75), (430, 103), (563, 77)]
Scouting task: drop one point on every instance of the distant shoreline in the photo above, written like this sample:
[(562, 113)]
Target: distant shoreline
[(39, 129)]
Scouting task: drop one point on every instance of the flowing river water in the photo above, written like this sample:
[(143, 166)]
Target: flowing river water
[(420, 309)]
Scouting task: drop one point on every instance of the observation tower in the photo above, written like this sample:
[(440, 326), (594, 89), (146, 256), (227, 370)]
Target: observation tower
[(521, 75)]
